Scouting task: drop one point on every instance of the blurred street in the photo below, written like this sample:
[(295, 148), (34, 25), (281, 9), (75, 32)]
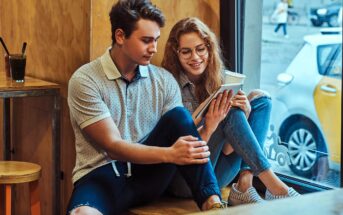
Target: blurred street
[(277, 53)]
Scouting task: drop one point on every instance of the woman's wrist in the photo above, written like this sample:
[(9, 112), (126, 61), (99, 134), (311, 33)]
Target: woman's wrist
[(208, 130)]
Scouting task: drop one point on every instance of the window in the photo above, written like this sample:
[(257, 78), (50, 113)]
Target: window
[(326, 55), (301, 68)]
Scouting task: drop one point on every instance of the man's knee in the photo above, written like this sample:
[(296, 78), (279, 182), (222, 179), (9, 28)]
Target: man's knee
[(178, 111), (85, 210), (257, 93), (179, 116)]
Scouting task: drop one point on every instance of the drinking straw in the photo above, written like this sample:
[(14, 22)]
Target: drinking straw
[(23, 49), (4, 45)]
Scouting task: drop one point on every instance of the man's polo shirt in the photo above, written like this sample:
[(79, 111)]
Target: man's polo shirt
[(98, 91)]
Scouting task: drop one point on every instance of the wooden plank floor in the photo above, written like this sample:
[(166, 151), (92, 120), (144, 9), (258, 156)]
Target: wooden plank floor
[(169, 205)]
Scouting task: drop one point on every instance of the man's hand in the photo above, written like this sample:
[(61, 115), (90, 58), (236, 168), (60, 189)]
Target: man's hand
[(188, 150)]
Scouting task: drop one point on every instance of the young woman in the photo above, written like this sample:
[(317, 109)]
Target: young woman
[(235, 126), (280, 15)]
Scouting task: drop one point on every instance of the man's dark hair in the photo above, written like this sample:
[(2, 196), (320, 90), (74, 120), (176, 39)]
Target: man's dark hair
[(126, 13)]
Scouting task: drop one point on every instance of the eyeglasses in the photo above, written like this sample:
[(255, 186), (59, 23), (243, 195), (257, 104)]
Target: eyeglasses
[(186, 53)]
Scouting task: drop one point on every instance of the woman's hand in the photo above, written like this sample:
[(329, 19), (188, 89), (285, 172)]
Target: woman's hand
[(217, 111), (241, 101)]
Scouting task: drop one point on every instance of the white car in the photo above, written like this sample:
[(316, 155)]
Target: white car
[(307, 106)]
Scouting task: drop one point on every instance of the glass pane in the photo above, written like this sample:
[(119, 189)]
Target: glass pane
[(301, 67)]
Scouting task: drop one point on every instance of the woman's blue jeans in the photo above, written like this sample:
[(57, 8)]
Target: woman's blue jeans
[(247, 137), (111, 194), (284, 27)]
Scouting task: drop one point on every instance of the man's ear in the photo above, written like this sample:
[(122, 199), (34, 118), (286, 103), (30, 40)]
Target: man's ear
[(119, 35)]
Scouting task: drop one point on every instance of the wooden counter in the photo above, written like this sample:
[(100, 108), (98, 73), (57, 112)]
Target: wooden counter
[(32, 88)]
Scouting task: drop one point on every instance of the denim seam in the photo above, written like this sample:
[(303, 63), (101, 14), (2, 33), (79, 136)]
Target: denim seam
[(207, 191), (246, 154), (253, 166)]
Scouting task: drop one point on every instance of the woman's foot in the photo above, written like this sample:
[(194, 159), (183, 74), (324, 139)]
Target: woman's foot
[(236, 197), (290, 193)]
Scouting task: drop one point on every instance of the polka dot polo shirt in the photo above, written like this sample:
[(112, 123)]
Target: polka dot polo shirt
[(97, 91)]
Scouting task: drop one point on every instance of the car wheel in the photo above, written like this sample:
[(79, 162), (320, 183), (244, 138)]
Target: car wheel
[(303, 140), (333, 21), (316, 22)]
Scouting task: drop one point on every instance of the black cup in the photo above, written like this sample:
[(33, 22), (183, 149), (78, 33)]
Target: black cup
[(17, 67)]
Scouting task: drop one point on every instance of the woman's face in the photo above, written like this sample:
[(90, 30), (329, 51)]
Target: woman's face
[(193, 55)]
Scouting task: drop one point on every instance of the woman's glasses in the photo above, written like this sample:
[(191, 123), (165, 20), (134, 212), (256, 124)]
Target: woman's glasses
[(200, 50)]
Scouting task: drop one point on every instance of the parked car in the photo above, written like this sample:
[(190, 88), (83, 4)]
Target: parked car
[(307, 106), (326, 14)]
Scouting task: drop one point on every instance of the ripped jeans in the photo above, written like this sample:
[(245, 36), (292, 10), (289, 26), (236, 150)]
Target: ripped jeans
[(247, 137), (112, 193)]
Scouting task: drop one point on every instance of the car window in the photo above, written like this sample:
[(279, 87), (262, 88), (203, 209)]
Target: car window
[(325, 57), (335, 68)]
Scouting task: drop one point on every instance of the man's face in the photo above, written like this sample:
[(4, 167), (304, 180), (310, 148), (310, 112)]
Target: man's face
[(142, 43)]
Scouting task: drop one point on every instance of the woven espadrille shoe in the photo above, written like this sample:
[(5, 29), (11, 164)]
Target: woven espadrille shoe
[(291, 193), (237, 198)]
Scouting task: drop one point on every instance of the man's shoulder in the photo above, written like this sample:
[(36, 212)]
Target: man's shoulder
[(88, 70)]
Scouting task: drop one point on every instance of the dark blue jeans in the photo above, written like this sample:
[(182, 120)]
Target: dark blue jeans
[(284, 27), (111, 194), (247, 137)]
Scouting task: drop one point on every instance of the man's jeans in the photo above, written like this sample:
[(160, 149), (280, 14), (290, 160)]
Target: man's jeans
[(111, 194), (246, 137)]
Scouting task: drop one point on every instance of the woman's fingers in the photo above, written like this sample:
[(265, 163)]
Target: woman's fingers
[(212, 105), (223, 101)]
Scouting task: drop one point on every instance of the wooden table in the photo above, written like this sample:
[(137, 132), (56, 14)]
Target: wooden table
[(319, 203), (31, 88)]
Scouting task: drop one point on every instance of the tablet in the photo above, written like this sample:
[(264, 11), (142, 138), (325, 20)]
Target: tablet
[(202, 109)]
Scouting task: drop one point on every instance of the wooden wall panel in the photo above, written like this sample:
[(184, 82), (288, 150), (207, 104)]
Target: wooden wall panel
[(206, 10), (62, 35), (100, 27), (58, 39)]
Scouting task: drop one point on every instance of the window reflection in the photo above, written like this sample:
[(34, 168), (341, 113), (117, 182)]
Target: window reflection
[(303, 72)]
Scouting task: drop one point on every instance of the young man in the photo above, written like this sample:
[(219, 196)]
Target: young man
[(130, 129)]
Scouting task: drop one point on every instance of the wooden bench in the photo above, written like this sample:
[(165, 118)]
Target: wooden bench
[(169, 205)]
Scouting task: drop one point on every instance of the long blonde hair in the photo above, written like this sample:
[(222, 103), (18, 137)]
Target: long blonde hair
[(212, 77)]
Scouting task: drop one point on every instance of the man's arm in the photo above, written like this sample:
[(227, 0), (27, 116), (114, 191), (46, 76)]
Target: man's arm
[(186, 150)]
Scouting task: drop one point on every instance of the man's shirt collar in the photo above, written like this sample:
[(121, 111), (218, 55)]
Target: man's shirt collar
[(112, 72)]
